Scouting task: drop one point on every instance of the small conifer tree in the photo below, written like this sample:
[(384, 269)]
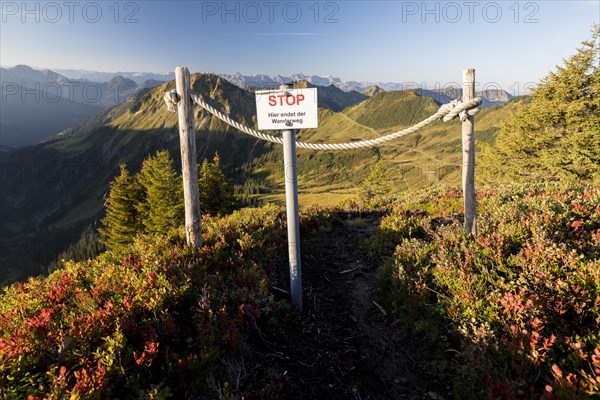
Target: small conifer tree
[(216, 193), (122, 221), (162, 210)]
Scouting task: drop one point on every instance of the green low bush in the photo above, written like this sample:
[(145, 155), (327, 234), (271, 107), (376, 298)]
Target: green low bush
[(521, 301), (161, 321)]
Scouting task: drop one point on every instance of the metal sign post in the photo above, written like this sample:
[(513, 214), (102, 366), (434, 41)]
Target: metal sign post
[(293, 224), (288, 109), (291, 206)]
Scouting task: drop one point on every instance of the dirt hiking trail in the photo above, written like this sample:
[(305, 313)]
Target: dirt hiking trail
[(345, 346)]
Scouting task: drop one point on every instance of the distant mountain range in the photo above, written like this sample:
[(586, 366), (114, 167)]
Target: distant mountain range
[(37, 104), (491, 97), (96, 76), (40, 103), (243, 81), (101, 93), (274, 81)]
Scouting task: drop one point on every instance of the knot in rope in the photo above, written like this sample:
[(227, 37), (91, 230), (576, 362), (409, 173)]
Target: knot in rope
[(461, 109), (171, 99)]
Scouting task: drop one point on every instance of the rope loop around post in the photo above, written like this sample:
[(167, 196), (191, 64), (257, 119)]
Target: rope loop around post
[(461, 109), (171, 99), (446, 112)]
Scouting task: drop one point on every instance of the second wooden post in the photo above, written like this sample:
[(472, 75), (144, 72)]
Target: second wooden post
[(468, 147)]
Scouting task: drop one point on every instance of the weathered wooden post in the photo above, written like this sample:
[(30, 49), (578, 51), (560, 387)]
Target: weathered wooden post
[(291, 205), (468, 147), (189, 166)]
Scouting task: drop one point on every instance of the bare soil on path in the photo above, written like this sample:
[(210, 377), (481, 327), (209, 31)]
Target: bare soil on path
[(345, 346)]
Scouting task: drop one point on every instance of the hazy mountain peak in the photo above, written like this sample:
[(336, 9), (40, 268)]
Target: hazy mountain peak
[(121, 82), (490, 97), (24, 73), (23, 68)]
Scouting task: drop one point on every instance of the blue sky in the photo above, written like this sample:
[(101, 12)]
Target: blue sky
[(508, 42)]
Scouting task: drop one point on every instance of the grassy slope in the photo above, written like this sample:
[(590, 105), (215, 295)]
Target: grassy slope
[(431, 156)]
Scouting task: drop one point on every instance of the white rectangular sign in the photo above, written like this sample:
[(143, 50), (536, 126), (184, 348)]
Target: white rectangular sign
[(287, 109)]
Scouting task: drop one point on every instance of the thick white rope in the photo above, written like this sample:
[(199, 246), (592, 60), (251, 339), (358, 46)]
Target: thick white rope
[(446, 112)]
